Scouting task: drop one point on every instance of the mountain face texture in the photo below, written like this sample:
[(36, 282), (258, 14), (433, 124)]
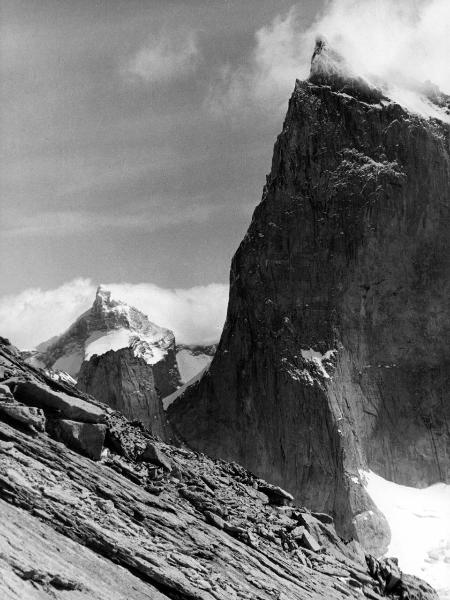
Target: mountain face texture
[(118, 356), (128, 384), (94, 507), (335, 355)]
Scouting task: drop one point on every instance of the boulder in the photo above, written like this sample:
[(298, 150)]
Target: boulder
[(68, 407), (87, 438), (275, 494), (27, 415), (154, 455), (214, 519), (308, 541)]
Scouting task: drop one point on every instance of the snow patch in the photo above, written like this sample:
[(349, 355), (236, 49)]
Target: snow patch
[(318, 359), (417, 104), (60, 376), (189, 364), (99, 343), (420, 524), (69, 363)]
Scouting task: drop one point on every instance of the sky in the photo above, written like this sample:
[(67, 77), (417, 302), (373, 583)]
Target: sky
[(136, 136), (118, 162)]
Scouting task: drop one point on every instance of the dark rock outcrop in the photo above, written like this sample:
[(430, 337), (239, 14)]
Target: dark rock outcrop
[(335, 355), (87, 438), (123, 528), (125, 382)]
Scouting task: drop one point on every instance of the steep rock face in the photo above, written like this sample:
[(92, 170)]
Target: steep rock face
[(335, 354), (128, 384), (149, 520)]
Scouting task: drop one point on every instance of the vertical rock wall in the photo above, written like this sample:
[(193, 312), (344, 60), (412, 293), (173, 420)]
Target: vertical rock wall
[(335, 355)]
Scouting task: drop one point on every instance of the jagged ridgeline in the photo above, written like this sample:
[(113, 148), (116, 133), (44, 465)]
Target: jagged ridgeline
[(114, 352), (335, 356)]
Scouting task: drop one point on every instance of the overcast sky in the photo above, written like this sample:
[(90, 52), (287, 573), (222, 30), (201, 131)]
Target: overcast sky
[(123, 154), (136, 134)]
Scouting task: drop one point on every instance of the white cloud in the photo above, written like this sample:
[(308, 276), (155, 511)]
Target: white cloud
[(167, 57), (195, 315), (278, 58), (395, 40)]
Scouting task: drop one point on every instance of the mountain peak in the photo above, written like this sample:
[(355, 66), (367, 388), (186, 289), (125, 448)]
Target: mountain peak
[(327, 63), (103, 294), (109, 324), (330, 68)]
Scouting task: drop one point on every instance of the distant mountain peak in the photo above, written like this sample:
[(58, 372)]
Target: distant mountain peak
[(109, 324), (103, 295)]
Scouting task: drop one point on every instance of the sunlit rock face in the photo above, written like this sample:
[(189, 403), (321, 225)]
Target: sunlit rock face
[(335, 355)]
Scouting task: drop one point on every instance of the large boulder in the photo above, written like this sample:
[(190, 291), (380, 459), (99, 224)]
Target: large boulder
[(60, 404), (87, 438)]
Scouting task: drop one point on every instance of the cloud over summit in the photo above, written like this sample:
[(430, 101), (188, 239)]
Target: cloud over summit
[(195, 315), (395, 40)]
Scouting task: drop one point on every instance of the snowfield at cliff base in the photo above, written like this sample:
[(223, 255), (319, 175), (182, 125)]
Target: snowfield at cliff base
[(420, 525)]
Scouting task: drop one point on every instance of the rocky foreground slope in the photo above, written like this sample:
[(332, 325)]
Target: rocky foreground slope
[(335, 356), (149, 520)]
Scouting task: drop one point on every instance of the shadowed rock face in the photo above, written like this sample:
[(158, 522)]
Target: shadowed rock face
[(128, 384), (335, 354)]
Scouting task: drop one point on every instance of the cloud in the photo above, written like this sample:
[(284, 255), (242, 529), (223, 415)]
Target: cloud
[(268, 77), (69, 222), (165, 58), (395, 40), (195, 315)]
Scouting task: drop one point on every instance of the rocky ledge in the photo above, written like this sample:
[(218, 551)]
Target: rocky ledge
[(149, 520)]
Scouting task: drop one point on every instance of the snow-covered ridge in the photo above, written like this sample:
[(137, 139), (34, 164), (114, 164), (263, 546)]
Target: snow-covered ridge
[(108, 325), (419, 520)]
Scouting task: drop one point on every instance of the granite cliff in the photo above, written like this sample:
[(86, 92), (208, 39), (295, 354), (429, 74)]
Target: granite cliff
[(335, 355)]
